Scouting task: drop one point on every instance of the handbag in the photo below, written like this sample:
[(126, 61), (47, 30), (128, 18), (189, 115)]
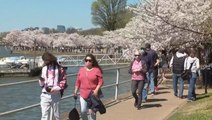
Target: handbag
[(187, 73), (73, 114)]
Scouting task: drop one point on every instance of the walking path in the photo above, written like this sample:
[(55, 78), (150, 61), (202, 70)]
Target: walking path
[(158, 107)]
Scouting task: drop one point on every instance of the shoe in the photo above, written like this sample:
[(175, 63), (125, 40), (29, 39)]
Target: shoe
[(152, 93), (192, 99), (181, 97), (189, 100), (138, 107), (143, 101)]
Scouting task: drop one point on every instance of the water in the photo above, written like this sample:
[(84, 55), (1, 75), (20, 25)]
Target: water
[(6, 52), (17, 96)]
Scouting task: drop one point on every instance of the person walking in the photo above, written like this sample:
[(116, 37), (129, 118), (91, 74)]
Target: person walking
[(90, 78), (152, 62), (163, 64), (138, 71), (177, 64), (53, 82), (192, 63)]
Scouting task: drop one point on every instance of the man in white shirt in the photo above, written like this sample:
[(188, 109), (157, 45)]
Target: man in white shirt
[(192, 63)]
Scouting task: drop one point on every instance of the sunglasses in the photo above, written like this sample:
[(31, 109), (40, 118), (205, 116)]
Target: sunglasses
[(136, 55), (88, 60)]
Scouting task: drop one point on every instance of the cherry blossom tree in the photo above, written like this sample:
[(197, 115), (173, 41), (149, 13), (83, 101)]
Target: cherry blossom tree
[(169, 22)]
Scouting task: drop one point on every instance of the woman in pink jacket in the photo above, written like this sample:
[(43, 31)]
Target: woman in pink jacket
[(89, 79), (138, 70)]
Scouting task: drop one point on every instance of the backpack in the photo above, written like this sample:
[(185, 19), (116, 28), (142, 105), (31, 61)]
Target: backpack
[(62, 71)]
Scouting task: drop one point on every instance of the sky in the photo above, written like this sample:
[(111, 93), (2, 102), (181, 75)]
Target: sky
[(20, 14)]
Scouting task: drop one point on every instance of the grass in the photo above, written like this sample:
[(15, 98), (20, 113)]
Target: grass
[(201, 109)]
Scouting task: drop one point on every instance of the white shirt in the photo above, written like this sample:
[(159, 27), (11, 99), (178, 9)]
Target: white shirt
[(195, 67)]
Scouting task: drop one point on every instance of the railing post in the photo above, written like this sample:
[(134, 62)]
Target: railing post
[(117, 83)]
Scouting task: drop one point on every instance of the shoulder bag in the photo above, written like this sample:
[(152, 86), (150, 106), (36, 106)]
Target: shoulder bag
[(187, 73)]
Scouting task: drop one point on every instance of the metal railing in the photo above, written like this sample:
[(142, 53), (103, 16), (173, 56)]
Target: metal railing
[(117, 84), (103, 59)]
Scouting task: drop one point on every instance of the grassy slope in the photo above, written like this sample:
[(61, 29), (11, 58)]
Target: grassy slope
[(198, 110)]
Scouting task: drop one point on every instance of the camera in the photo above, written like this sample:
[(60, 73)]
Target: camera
[(48, 88), (42, 79)]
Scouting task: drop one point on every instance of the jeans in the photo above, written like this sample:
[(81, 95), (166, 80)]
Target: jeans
[(148, 82), (137, 85), (191, 88), (175, 78), (151, 77), (145, 90), (84, 110)]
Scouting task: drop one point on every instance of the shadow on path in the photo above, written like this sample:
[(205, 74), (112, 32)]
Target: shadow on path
[(202, 97), (162, 92), (156, 100), (163, 88), (150, 106)]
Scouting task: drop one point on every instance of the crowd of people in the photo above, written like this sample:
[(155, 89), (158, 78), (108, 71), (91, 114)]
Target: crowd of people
[(147, 69)]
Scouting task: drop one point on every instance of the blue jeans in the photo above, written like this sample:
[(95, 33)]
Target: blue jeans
[(175, 78), (84, 110), (148, 82), (191, 88), (145, 90), (151, 77)]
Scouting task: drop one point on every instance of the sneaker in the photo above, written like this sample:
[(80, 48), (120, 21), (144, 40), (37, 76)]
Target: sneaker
[(152, 93), (181, 97), (189, 100), (143, 101), (138, 107)]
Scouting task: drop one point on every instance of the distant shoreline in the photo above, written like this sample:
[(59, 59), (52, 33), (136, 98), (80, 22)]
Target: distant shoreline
[(39, 53)]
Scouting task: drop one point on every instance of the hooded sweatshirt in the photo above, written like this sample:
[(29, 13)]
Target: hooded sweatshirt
[(195, 66)]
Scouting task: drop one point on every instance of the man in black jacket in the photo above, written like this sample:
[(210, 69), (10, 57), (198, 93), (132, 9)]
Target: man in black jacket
[(177, 64)]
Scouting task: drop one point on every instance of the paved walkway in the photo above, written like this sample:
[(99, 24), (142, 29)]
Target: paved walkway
[(158, 107)]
